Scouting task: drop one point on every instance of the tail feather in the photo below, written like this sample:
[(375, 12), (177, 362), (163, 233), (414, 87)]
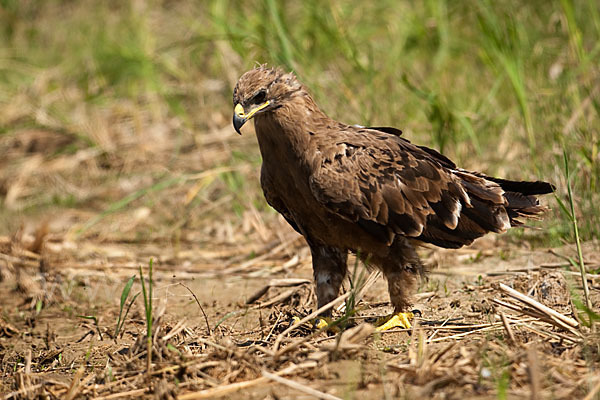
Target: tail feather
[(495, 205), (522, 187), (522, 200), (523, 207)]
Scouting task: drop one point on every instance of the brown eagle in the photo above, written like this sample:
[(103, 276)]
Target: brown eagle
[(367, 190)]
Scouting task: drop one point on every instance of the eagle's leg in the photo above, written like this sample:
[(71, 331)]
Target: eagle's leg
[(400, 285), (400, 269), (329, 269)]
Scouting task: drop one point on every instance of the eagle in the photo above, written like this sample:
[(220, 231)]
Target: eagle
[(349, 188)]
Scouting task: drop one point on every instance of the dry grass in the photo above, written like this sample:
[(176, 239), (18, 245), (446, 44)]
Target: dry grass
[(215, 336)]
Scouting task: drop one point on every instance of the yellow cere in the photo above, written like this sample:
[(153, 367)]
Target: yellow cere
[(239, 110)]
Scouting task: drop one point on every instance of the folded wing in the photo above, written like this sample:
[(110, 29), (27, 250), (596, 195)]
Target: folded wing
[(391, 187)]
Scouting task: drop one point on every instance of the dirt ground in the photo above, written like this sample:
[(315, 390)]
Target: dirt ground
[(219, 318)]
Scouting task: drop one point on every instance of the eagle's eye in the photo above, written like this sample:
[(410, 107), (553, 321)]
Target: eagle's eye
[(259, 97)]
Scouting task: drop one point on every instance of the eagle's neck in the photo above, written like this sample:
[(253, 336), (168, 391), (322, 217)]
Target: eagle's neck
[(286, 133)]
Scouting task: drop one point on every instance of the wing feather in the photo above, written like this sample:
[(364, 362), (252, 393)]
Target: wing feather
[(390, 186)]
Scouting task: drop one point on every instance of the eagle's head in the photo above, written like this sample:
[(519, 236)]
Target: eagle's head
[(261, 90)]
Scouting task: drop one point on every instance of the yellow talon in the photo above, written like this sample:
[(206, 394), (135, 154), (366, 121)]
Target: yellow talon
[(325, 323), (321, 323), (317, 323), (400, 320)]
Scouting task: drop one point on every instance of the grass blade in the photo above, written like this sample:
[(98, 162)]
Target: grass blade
[(586, 291), (124, 295), (148, 311)]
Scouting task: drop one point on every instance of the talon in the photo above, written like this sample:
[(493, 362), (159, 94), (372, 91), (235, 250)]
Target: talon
[(400, 320), (321, 323), (325, 323), (295, 320), (317, 323)]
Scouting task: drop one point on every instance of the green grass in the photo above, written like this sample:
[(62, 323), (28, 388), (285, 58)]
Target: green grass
[(501, 86), (572, 216), (147, 294), (124, 295)]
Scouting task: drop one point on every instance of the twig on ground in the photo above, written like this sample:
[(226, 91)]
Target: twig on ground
[(277, 249), (225, 390), (368, 283), (74, 388), (300, 387), (538, 315), (128, 394), (594, 390), (533, 369), (508, 329), (552, 314), (277, 299), (201, 309), (275, 283), (309, 317), (462, 335), (274, 326), (443, 323)]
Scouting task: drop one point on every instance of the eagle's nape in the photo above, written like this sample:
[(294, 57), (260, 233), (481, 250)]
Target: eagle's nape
[(368, 190)]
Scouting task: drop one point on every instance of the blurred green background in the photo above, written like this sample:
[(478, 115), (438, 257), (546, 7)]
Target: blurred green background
[(138, 93)]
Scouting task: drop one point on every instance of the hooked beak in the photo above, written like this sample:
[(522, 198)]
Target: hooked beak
[(240, 117)]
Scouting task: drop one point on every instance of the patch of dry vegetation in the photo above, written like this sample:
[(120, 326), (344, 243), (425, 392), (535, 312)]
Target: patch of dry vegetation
[(476, 337)]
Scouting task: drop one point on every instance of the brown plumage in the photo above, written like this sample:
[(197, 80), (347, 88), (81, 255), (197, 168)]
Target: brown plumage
[(367, 190)]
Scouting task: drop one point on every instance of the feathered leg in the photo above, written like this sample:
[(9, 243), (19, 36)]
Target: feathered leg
[(400, 286), (329, 268), (400, 268)]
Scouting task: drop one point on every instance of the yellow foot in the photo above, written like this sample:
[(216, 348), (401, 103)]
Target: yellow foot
[(319, 323), (326, 323), (400, 320)]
